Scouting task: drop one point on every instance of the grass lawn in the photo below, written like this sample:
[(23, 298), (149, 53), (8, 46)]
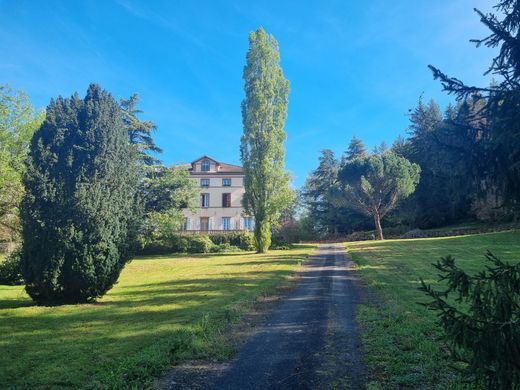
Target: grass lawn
[(400, 336), (163, 309)]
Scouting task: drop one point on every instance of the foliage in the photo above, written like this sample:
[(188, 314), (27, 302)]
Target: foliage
[(175, 242), (499, 116), (356, 148), (483, 326), (264, 110), (376, 183), (163, 310), (167, 188), (178, 243), (80, 209), (449, 151), (164, 192), (317, 195), (139, 132), (11, 269), (247, 242), (401, 339), (18, 122), (223, 248), (244, 240), (199, 243)]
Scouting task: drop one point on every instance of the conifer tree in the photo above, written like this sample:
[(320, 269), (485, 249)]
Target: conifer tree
[(500, 111), (264, 110), (356, 148), (139, 132), (480, 315), (376, 183), (79, 209)]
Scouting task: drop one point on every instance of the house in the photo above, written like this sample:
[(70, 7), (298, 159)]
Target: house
[(221, 188)]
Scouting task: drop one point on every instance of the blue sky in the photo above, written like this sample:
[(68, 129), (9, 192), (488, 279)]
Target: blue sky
[(355, 67)]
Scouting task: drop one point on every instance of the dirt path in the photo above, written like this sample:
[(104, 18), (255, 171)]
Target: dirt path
[(310, 340)]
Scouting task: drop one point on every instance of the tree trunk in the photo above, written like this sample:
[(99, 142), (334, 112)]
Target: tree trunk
[(379, 229)]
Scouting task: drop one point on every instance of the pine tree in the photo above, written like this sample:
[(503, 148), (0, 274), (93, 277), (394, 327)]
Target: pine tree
[(79, 209), (502, 99), (264, 110), (317, 193), (356, 148), (375, 184), (139, 132)]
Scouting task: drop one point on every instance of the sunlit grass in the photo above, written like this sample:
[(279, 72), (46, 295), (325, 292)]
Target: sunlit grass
[(163, 309), (400, 336)]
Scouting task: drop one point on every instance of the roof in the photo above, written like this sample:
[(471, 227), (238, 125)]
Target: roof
[(222, 166)]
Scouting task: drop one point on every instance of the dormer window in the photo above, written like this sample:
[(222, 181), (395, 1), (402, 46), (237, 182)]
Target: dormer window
[(204, 167)]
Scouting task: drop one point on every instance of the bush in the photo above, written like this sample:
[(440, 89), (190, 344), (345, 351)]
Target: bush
[(281, 247), (179, 244), (482, 322), (11, 269), (199, 244), (243, 240), (247, 241), (278, 242), (415, 233), (222, 248)]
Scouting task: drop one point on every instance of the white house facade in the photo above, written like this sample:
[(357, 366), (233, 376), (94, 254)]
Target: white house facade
[(221, 189)]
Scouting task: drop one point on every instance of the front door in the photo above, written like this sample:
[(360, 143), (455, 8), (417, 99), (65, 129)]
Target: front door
[(204, 224)]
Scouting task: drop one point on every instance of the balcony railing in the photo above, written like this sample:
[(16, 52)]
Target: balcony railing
[(192, 231)]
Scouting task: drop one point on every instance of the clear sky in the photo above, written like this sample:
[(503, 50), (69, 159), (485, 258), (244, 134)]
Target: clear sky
[(355, 67)]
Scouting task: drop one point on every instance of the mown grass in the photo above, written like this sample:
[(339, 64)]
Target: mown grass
[(400, 336), (163, 309)]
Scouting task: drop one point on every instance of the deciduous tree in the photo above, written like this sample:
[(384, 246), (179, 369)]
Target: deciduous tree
[(18, 121), (264, 110)]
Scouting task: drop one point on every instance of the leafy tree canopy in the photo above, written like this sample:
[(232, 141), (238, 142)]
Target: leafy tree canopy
[(374, 184), (264, 110), (18, 121)]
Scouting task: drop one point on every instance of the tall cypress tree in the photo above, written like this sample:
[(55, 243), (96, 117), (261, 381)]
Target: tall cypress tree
[(80, 203), (264, 110)]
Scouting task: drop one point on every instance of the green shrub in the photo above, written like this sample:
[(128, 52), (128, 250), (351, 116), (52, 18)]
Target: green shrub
[(231, 238), (222, 248), (247, 241), (10, 269), (178, 243), (280, 247), (220, 238), (199, 243), (279, 242), (155, 248)]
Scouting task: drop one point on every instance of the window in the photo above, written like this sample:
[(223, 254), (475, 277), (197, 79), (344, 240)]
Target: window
[(226, 223), (204, 224), (226, 200), (204, 200), (205, 166), (226, 182), (248, 223), (204, 182)]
